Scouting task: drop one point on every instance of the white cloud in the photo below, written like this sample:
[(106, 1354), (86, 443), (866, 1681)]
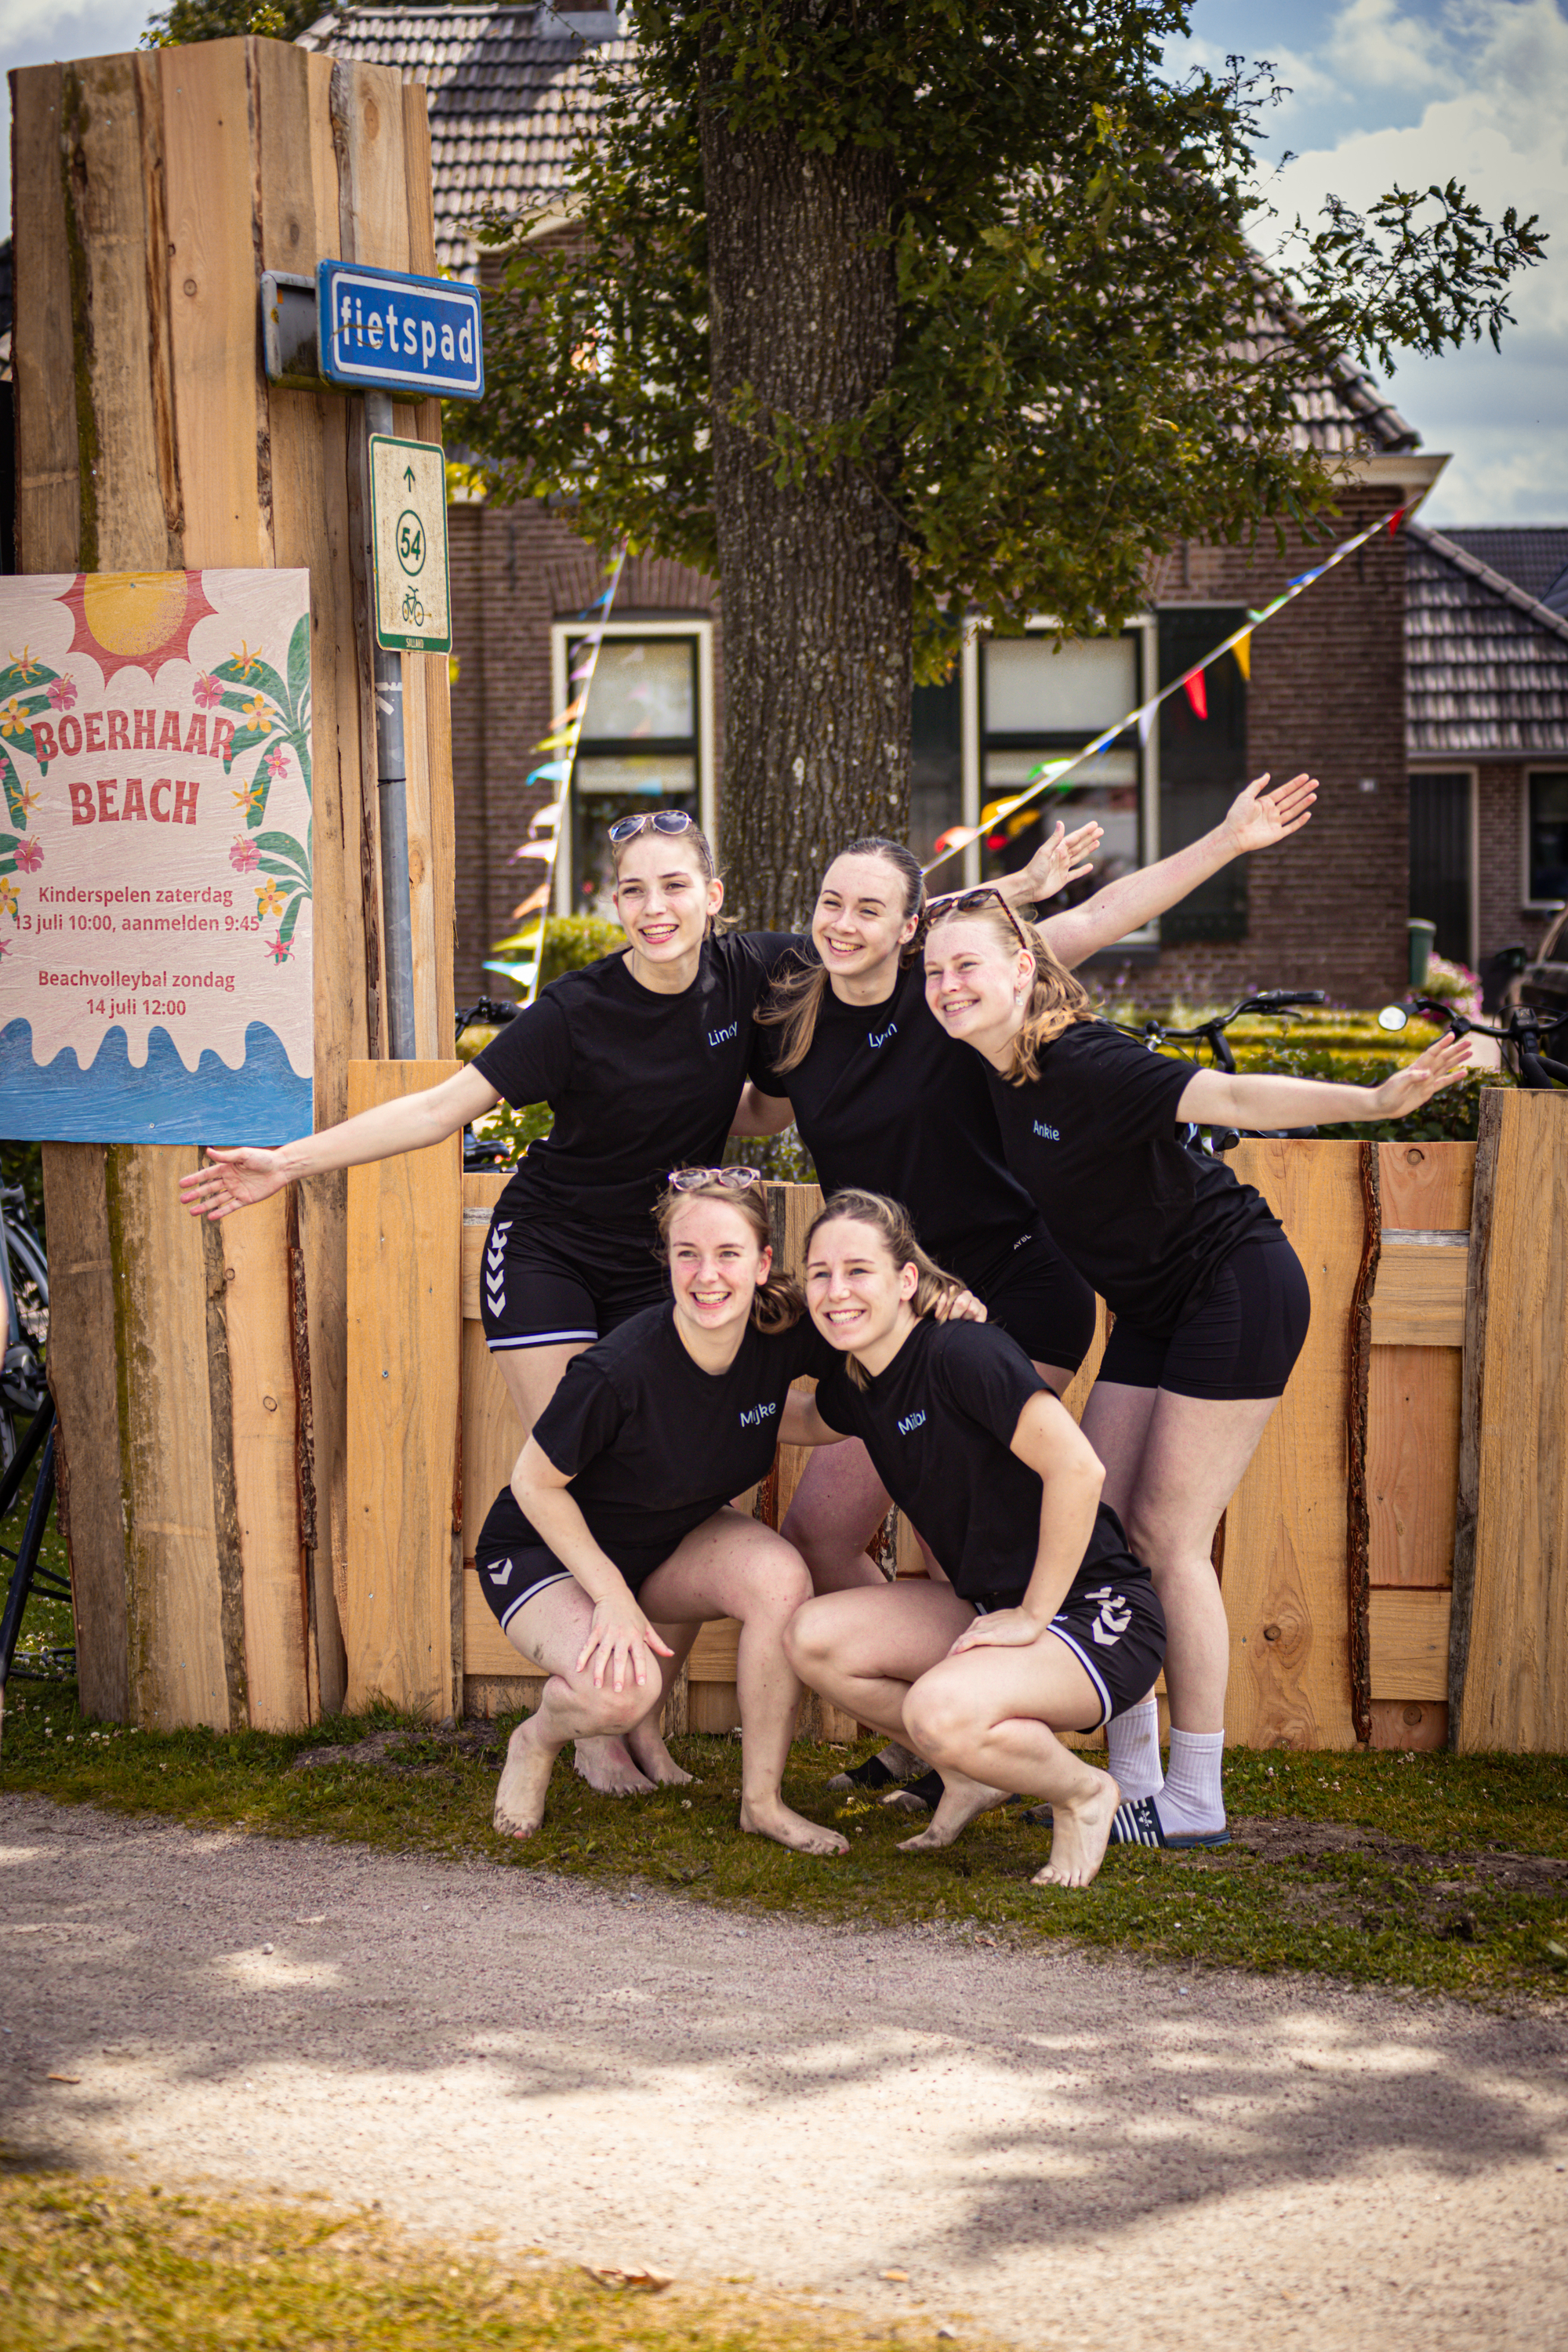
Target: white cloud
[(1372, 42)]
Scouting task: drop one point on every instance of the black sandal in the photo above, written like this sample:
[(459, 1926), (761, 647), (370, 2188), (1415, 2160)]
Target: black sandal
[(870, 1776), (921, 1796)]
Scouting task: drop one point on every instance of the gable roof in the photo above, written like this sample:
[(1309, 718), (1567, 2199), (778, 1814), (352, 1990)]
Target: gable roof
[(1535, 556), (1486, 663)]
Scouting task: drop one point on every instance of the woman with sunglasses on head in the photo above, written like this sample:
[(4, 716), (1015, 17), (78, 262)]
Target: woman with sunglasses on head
[(887, 1102), (1042, 1622), (616, 1538), (642, 1056), (1210, 1300)]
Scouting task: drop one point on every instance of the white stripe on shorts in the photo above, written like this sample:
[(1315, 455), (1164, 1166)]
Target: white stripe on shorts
[(1090, 1669), (540, 1339)]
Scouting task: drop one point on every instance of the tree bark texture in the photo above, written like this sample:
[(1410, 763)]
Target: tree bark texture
[(816, 593)]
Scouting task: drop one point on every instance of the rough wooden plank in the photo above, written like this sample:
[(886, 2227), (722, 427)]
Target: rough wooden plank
[(1509, 1688), (492, 1435), (124, 517), (403, 1340), (1284, 1531), (48, 496), (1358, 1518), (1076, 1396), (1419, 1301), (1426, 1185), (1409, 1723), (486, 1649), (1410, 1644), (82, 1377), (178, 1671), (220, 411), (1413, 1464), (265, 1460)]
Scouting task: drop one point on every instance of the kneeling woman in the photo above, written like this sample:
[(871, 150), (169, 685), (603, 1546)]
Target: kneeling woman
[(1046, 1624), (616, 1539)]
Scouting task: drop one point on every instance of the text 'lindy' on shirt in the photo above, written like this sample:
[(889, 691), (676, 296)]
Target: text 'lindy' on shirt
[(885, 1099), (938, 1423), (653, 1445), (1146, 1217), (639, 1083)]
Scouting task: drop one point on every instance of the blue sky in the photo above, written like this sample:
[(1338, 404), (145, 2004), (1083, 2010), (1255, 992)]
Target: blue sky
[(1413, 90)]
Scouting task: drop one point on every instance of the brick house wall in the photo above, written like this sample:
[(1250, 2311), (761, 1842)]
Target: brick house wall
[(1504, 919)]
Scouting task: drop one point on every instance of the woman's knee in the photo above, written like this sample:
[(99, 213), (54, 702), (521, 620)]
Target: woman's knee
[(940, 1721), (807, 1637)]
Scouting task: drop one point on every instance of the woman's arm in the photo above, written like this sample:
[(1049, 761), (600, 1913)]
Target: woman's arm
[(1071, 1475), (759, 1114), (620, 1634), (1214, 1098), (1255, 820), (238, 1178)]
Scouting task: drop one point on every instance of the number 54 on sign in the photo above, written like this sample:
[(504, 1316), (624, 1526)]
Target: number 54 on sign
[(409, 534)]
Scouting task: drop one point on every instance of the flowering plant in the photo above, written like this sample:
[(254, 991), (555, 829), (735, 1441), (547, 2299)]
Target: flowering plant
[(1455, 985)]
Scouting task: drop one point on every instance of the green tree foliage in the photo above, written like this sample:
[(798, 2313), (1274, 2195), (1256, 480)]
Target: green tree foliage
[(184, 21), (1092, 362)]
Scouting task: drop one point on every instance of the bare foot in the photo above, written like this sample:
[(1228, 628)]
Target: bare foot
[(963, 1801), (607, 1766), (773, 1819), (900, 1763), (1080, 1830), (653, 1759), (525, 1777)]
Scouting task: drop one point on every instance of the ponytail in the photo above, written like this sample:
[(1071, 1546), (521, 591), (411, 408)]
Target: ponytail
[(794, 1000), (779, 1302), (890, 1221), (1056, 999)]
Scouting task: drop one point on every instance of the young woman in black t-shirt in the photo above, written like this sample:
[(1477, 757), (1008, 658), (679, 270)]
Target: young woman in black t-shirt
[(617, 1540), (1043, 1622), (642, 1056), (1210, 1300)]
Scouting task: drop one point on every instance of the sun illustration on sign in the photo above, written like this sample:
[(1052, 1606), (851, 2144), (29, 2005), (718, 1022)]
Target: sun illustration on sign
[(135, 620)]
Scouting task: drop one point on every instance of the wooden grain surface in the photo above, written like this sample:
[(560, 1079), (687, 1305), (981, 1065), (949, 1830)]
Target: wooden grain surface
[(82, 1377), (263, 1402), (403, 1408), (1421, 1725), (1426, 1186), (1409, 1644), (1413, 1464), (1285, 1590), (1508, 1667), (1420, 1300), (48, 486)]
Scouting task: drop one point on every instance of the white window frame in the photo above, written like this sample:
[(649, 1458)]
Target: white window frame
[(688, 625), (1535, 768), (1042, 625)]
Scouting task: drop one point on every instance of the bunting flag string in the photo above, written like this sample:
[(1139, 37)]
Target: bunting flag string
[(1050, 773), (521, 954)]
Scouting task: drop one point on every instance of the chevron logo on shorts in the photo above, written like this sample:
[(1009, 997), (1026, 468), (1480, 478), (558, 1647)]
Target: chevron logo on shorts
[(500, 1573), (1114, 1620), (495, 1269)]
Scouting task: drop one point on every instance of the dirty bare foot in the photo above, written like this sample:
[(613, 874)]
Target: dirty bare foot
[(772, 1818), (961, 1802), (607, 1766), (525, 1777), (653, 1759), (1080, 1830)]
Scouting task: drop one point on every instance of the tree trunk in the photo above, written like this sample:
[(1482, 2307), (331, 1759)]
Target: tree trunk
[(815, 593)]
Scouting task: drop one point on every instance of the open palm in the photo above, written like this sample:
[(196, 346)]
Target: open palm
[(1257, 819), (231, 1180)]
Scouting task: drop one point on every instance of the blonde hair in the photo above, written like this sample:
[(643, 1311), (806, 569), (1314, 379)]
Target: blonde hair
[(780, 1302), (794, 1001), (707, 865), (1056, 999), (890, 1221)]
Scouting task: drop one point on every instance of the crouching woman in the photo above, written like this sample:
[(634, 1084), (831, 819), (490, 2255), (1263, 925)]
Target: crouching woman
[(616, 1538), (1047, 1625)]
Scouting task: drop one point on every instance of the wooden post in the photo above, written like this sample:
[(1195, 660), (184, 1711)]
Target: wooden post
[(205, 1490)]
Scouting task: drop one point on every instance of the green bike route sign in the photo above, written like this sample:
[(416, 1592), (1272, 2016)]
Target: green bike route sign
[(409, 534)]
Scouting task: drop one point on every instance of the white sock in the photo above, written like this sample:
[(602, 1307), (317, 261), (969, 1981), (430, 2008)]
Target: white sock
[(1133, 1746), (1192, 1800)]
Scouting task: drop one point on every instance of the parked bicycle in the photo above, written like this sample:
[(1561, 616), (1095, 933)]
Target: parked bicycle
[(489, 1012), (26, 1436), (1281, 1002), (1538, 1065)]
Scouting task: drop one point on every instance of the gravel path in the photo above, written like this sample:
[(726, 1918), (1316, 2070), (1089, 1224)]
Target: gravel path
[(1071, 2152)]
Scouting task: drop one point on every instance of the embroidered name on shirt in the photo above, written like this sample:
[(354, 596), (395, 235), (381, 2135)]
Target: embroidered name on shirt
[(1051, 1134), (758, 1414), (875, 1037), (723, 1037), (910, 1421)]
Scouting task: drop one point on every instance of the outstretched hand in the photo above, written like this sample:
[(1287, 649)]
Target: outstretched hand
[(1058, 861), (1257, 819), (1408, 1089), (231, 1180)]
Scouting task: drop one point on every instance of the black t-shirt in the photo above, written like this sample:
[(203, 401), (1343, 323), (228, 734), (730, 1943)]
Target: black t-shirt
[(1146, 1217), (652, 1443), (887, 1100), (639, 1083), (938, 1425)]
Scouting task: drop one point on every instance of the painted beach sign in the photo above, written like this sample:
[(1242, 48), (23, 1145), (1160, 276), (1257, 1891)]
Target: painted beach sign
[(155, 972)]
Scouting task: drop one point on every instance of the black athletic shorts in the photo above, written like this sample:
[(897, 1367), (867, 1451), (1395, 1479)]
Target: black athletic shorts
[(514, 1565), (1243, 1341), (1116, 1632), (1039, 1299), (538, 1290)]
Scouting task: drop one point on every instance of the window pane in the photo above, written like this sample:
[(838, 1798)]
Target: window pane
[(605, 789), (1548, 835), (1105, 789), (1203, 766), (936, 763), (642, 685), (1036, 687)]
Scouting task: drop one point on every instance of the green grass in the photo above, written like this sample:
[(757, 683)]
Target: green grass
[(95, 2264)]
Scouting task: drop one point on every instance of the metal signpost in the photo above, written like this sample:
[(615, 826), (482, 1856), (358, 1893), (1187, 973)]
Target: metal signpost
[(377, 332)]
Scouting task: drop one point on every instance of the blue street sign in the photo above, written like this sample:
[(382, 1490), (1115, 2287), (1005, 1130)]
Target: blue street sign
[(383, 331)]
